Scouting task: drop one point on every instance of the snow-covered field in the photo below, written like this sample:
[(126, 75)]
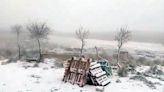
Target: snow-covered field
[(22, 77), (152, 51), (72, 42)]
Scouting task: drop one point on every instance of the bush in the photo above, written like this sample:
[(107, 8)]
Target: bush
[(58, 63), (144, 80), (156, 70), (123, 72), (157, 62), (162, 63), (145, 61), (141, 60)]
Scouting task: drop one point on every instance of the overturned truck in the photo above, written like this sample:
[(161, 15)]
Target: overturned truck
[(81, 71)]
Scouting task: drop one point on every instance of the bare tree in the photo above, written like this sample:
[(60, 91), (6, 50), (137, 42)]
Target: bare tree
[(122, 37), (18, 29), (38, 31), (82, 34)]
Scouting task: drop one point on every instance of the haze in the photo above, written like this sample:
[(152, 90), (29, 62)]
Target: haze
[(95, 15)]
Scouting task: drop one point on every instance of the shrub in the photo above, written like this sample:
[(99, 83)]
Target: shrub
[(123, 72), (162, 63), (157, 62), (141, 60), (58, 63)]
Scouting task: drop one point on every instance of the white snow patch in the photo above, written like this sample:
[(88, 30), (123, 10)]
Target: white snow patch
[(15, 78)]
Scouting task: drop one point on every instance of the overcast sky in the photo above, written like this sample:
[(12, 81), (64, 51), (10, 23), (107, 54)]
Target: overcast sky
[(95, 15)]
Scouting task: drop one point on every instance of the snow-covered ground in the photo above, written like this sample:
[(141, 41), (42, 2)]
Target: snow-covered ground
[(22, 77)]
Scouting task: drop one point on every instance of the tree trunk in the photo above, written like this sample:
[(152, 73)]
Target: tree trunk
[(39, 49), (82, 47), (19, 51), (18, 46), (118, 57)]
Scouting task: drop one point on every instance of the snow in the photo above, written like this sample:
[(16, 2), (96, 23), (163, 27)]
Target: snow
[(142, 69), (106, 82), (14, 77), (100, 74), (95, 66)]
